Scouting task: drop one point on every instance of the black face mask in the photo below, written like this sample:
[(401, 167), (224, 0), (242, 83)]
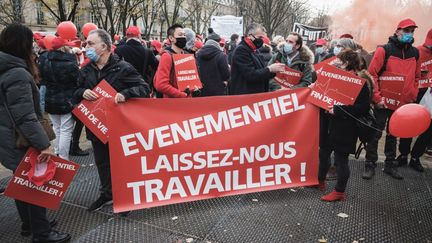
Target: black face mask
[(258, 42), (180, 42)]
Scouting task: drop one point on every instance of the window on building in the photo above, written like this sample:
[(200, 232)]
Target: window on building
[(40, 14)]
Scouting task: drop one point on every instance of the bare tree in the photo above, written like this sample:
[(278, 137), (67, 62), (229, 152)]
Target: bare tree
[(11, 11), (171, 10), (62, 10), (277, 16), (199, 13), (149, 10)]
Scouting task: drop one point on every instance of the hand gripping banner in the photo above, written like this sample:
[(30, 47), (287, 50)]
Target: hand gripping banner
[(166, 151)]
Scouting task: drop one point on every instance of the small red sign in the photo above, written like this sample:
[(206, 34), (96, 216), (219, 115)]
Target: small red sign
[(288, 78), (93, 113), (48, 195), (391, 87), (335, 87), (186, 72)]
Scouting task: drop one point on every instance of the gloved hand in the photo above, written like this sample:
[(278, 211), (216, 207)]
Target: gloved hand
[(196, 93), (187, 91)]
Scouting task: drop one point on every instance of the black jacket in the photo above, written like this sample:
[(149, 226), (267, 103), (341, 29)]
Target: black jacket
[(60, 73), (265, 54), (141, 58), (249, 74), (343, 131), (41, 59), (213, 70), (19, 92), (119, 74)]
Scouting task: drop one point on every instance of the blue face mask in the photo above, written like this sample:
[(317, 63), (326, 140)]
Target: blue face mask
[(92, 55), (337, 50), (288, 48), (319, 50), (407, 38)]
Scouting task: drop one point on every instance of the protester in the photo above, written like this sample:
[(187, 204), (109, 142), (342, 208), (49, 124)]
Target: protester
[(397, 56), (425, 55), (231, 46), (331, 54), (43, 52), (212, 35), (213, 69), (265, 52), (277, 40), (123, 77), (19, 100), (342, 134), (249, 73), (296, 56), (190, 40), (140, 57), (320, 50), (156, 47), (165, 81), (60, 71)]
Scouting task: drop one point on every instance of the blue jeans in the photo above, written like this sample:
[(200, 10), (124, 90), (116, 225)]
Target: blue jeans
[(42, 92)]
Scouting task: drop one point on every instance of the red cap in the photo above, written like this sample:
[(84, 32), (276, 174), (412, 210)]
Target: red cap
[(320, 42), (222, 41), (266, 40), (346, 35), (428, 41), (198, 44), (59, 42), (41, 173), (406, 23), (133, 31), (156, 45)]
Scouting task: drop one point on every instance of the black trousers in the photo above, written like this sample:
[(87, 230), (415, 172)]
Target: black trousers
[(420, 145), (102, 160), (382, 118), (33, 217), (76, 134), (342, 169)]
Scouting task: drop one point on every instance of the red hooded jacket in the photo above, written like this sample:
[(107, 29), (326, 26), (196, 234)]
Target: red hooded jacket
[(426, 53), (402, 59)]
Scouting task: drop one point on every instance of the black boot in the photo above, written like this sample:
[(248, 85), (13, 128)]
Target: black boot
[(402, 160), (416, 165), (25, 229), (77, 151), (369, 170), (391, 170), (52, 237)]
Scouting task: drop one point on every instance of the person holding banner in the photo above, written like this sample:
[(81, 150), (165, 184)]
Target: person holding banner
[(400, 57), (249, 74), (425, 60), (19, 106), (342, 131), (320, 50), (124, 78), (165, 80), (296, 56)]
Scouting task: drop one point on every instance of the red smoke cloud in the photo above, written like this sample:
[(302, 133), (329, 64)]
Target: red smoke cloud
[(371, 22)]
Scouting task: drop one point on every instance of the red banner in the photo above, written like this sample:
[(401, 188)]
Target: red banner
[(186, 72), (220, 146), (93, 113), (48, 195), (391, 86), (288, 78), (335, 87)]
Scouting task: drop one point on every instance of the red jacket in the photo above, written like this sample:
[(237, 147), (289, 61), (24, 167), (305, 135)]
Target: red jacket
[(402, 59), (425, 59), (163, 82)]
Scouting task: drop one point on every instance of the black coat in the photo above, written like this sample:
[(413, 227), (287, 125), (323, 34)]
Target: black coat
[(60, 73), (119, 74), (21, 95), (249, 74), (213, 70), (343, 132), (141, 58)]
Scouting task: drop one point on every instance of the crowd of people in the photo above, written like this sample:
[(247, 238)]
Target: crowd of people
[(37, 79)]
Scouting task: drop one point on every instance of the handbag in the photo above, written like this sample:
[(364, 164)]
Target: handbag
[(20, 140)]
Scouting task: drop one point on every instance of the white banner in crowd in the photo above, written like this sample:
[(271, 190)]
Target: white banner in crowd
[(310, 34), (227, 25)]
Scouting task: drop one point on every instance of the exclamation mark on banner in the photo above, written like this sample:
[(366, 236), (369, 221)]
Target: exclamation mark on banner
[(302, 172), (61, 193)]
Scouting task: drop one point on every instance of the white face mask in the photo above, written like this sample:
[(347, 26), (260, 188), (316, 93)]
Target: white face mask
[(337, 50)]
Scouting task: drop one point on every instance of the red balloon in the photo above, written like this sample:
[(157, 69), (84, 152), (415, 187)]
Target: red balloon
[(48, 41), (67, 30), (87, 28), (409, 121)]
